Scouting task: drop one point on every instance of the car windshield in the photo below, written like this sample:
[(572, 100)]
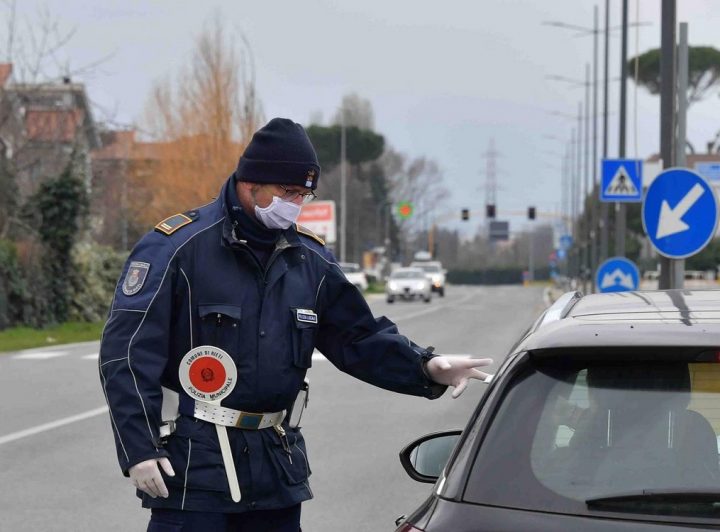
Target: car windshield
[(407, 274), (605, 436), (350, 268), (429, 268)]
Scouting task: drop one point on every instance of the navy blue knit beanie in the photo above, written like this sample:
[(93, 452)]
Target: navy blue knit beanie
[(280, 153)]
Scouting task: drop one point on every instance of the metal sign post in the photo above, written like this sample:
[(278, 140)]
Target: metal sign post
[(668, 276)]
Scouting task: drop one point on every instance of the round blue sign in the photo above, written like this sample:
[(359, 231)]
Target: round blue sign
[(679, 213), (617, 274)]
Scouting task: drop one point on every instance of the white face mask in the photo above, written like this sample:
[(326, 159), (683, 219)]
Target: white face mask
[(280, 214)]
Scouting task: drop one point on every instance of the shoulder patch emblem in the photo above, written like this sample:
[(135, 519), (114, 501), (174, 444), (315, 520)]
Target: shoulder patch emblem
[(135, 277), (169, 225), (305, 231)]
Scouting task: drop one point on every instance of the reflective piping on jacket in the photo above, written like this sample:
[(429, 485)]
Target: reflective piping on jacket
[(307, 465), (102, 375), (187, 468), (323, 258), (190, 307), (317, 294), (113, 360), (112, 418), (162, 280), (330, 263)]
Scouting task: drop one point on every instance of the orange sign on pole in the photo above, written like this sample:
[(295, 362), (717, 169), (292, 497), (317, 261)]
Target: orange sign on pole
[(319, 217)]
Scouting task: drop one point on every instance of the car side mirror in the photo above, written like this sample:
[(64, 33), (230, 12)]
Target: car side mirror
[(425, 458)]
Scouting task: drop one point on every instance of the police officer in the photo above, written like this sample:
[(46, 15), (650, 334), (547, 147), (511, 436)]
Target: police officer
[(238, 274)]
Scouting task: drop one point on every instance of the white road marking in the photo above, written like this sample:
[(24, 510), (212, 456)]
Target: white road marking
[(52, 425), (91, 356), (434, 308), (40, 355)]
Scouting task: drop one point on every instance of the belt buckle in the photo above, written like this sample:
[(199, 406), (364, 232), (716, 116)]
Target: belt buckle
[(249, 421)]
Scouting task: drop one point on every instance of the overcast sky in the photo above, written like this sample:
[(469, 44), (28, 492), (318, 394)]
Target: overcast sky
[(443, 77)]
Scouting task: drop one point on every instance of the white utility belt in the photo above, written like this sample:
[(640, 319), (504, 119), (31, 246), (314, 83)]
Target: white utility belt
[(229, 417)]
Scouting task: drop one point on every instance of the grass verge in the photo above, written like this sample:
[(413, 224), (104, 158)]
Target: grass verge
[(375, 288), (67, 333)]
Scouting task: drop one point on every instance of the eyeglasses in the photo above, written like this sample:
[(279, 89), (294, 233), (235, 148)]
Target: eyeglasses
[(292, 195)]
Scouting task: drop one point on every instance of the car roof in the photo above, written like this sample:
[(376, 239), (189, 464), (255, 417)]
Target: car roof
[(425, 263), (413, 270), (640, 318)]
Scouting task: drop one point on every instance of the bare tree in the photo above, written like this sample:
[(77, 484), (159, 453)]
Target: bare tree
[(201, 120), (419, 181), (45, 118)]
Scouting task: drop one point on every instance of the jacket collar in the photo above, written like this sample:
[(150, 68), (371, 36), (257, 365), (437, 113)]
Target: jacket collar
[(231, 231)]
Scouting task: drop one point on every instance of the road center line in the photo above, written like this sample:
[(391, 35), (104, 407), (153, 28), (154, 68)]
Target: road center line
[(434, 308), (40, 355), (52, 425)]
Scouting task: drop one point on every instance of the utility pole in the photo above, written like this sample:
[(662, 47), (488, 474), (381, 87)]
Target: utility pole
[(667, 112), (531, 252), (490, 185), (587, 235), (604, 217), (491, 174), (579, 237), (620, 207), (595, 190), (677, 269), (343, 189)]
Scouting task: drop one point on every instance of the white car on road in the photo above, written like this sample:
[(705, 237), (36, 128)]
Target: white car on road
[(435, 272), (408, 283), (354, 274)]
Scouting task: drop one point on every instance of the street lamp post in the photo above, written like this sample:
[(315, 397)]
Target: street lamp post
[(600, 219), (604, 205), (343, 189), (620, 214)]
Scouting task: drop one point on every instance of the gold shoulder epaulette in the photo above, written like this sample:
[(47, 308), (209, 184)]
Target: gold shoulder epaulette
[(171, 224), (305, 231)]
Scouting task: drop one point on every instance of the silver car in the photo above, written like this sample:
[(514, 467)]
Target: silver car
[(408, 283)]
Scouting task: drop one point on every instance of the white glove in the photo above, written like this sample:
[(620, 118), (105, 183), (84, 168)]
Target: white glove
[(456, 371), (146, 476)]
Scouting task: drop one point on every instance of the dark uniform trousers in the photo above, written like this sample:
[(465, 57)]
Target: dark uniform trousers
[(283, 520)]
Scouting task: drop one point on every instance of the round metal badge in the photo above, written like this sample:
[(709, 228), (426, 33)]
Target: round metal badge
[(207, 373)]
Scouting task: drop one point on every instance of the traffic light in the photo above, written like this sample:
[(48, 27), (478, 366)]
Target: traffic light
[(531, 213), (465, 214), (490, 211)]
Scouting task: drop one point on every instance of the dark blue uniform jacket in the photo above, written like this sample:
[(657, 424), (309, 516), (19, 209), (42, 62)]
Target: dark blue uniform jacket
[(203, 287)]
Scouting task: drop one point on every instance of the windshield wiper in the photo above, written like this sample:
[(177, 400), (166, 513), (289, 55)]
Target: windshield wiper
[(660, 495)]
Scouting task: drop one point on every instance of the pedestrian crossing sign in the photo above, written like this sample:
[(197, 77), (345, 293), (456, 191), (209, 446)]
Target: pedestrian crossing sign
[(621, 180)]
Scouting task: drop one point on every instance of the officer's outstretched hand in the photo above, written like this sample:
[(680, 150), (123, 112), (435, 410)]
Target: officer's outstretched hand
[(146, 476), (456, 371)]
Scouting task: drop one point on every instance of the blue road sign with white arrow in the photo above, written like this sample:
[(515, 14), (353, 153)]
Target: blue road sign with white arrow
[(621, 180), (680, 213), (617, 274)]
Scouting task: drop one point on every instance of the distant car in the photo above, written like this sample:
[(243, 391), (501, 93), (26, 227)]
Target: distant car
[(435, 272), (354, 274), (603, 417), (408, 283)]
